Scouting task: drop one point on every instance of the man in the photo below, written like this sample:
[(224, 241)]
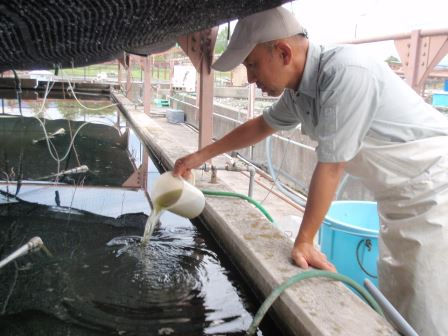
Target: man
[(367, 122)]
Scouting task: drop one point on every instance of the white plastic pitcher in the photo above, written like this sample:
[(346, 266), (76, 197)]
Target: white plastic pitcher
[(177, 195)]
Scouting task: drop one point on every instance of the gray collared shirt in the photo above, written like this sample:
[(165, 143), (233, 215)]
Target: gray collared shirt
[(345, 95)]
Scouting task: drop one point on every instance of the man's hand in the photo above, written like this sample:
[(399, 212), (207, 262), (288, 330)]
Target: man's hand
[(323, 185), (305, 255), (249, 133), (184, 165)]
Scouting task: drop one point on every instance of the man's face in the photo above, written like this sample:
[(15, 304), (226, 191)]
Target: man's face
[(264, 67)]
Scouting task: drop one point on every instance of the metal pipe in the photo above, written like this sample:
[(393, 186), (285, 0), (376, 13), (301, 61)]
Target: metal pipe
[(389, 310), (234, 168), (292, 142), (33, 245), (214, 175), (251, 180), (77, 170), (257, 169), (265, 175), (399, 36), (270, 179), (278, 194)]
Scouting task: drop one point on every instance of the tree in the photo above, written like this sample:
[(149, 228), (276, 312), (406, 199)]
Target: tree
[(392, 59), (222, 39)]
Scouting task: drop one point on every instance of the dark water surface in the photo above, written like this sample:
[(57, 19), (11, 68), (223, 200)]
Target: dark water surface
[(174, 285), (99, 279)]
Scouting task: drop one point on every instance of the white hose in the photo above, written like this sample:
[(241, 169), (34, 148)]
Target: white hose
[(70, 87), (286, 192), (293, 197)]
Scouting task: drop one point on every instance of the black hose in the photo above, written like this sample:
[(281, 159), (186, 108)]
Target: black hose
[(368, 244)]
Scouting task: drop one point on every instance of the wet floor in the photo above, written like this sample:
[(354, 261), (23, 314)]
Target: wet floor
[(99, 280)]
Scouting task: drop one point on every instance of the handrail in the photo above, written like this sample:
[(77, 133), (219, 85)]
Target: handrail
[(399, 36)]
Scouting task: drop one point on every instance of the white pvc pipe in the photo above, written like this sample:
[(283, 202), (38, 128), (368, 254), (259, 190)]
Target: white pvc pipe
[(35, 243), (389, 310), (77, 170)]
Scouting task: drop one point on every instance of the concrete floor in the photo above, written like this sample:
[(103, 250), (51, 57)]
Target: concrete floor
[(258, 249)]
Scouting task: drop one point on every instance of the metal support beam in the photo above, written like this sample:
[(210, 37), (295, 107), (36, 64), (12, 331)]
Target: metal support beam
[(128, 77), (198, 92), (205, 104), (138, 179), (144, 169), (419, 55), (411, 64), (119, 74), (34, 89), (133, 181), (123, 63), (199, 48), (171, 74), (420, 51), (147, 88)]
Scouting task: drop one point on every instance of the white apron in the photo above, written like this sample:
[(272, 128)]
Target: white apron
[(410, 183)]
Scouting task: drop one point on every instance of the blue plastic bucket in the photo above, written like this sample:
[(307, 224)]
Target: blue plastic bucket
[(349, 239)]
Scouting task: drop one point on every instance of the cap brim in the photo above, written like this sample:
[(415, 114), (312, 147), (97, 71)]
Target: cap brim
[(231, 58)]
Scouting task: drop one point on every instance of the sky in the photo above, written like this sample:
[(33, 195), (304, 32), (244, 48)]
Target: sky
[(331, 21)]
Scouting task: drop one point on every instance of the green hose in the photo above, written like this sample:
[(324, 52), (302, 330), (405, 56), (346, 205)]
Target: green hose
[(306, 275), (296, 278), (247, 198)]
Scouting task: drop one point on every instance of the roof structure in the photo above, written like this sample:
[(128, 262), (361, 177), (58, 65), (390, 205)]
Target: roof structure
[(43, 34)]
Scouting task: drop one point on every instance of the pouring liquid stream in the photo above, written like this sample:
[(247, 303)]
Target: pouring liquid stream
[(161, 203)]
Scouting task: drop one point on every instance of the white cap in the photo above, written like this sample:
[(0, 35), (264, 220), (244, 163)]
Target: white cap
[(269, 25)]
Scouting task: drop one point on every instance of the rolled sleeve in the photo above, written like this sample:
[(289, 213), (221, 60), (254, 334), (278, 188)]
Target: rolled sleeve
[(282, 115)]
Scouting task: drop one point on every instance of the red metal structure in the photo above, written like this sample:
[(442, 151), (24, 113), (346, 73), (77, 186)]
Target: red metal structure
[(420, 51)]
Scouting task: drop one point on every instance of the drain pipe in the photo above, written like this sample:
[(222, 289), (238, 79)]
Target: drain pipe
[(389, 310), (35, 244)]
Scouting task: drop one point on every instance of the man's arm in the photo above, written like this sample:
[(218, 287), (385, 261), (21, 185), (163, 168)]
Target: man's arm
[(323, 186), (244, 135)]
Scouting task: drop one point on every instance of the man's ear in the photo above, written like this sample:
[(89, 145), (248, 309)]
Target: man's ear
[(285, 51)]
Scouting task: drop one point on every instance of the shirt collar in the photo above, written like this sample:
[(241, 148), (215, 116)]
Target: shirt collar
[(308, 83)]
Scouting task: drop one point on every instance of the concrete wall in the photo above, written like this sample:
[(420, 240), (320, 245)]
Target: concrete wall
[(296, 162)]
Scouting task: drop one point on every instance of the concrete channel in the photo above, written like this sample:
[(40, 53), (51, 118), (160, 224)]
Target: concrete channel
[(258, 249)]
